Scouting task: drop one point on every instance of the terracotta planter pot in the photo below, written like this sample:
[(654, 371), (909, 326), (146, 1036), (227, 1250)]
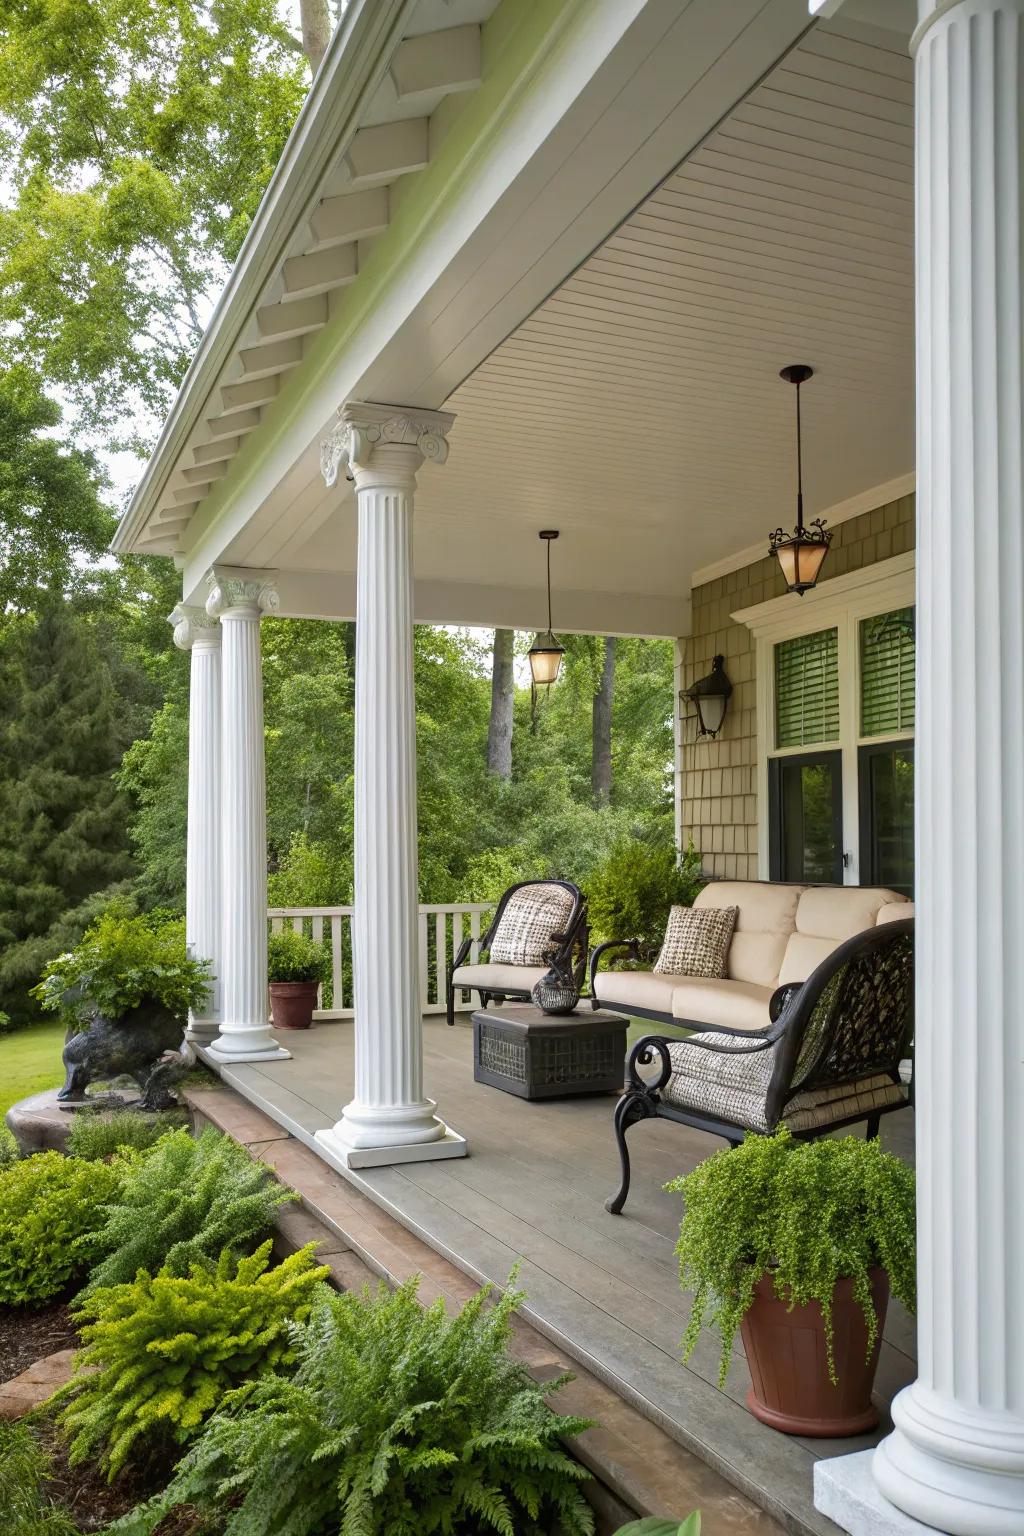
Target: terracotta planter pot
[(292, 1003), (788, 1366)]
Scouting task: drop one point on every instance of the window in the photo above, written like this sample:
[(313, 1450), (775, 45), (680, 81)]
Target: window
[(835, 722), (807, 689)]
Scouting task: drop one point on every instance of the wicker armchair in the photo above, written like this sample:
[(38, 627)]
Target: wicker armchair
[(829, 1058), (539, 926)]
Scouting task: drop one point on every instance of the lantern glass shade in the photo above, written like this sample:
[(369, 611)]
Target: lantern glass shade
[(800, 560), (711, 709), (546, 660)]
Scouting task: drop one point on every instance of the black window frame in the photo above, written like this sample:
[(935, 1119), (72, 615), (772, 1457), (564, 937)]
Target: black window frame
[(869, 874)]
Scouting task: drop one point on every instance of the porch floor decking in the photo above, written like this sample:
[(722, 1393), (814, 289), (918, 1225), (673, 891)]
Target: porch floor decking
[(603, 1287)]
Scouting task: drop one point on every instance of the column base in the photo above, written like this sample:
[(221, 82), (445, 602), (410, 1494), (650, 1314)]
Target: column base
[(345, 1146), (202, 1032), (845, 1490), (246, 1043), (957, 1468)]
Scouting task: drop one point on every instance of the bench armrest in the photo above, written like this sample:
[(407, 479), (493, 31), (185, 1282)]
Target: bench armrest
[(633, 945)]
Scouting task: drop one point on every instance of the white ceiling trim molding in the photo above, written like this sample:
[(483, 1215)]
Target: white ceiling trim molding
[(854, 506), (780, 618)]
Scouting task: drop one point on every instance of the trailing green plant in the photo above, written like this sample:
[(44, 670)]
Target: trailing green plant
[(183, 1202), (122, 962), (97, 1134), (291, 956), (808, 1214), (655, 1526), (630, 893), (9, 1149), (51, 1210), (160, 1352), (25, 1465), (398, 1421)]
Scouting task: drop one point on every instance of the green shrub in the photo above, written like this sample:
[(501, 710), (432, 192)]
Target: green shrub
[(160, 1352), (25, 1467), (397, 1422), (182, 1202), (122, 962), (293, 957), (96, 1135), (9, 1151), (51, 1210), (630, 894), (654, 1526), (808, 1213)]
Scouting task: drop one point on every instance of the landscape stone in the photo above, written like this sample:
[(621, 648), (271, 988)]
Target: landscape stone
[(23, 1393)]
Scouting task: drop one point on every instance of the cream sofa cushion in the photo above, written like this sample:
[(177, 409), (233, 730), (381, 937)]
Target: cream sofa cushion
[(625, 990), (494, 978), (767, 918), (825, 916), (893, 911), (734, 1004)]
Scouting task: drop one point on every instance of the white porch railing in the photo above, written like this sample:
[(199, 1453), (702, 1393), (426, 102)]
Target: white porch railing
[(441, 930)]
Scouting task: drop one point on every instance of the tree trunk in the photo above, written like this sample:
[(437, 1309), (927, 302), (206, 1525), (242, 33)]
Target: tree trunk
[(601, 760), (315, 19), (499, 734)]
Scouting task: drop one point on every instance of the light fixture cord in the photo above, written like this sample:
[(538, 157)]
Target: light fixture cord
[(548, 543), (799, 468)]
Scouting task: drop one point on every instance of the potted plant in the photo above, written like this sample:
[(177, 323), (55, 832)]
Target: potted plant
[(797, 1245), (296, 967)]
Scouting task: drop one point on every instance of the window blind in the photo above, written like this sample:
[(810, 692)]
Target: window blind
[(807, 689), (887, 648)]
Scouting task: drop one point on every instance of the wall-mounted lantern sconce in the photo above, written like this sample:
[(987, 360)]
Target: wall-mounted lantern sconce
[(710, 698)]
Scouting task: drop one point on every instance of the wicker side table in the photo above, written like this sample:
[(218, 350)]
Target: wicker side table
[(529, 1053)]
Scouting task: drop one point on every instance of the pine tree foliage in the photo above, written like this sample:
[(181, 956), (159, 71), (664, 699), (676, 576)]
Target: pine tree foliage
[(63, 822), (398, 1422), (51, 1208), (183, 1202), (160, 1352)]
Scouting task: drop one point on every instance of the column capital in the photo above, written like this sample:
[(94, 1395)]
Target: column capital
[(193, 626), (361, 427), (252, 592)]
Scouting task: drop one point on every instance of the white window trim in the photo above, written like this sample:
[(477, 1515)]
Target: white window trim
[(841, 604)]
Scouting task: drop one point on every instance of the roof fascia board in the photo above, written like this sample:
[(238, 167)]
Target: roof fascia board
[(356, 61)]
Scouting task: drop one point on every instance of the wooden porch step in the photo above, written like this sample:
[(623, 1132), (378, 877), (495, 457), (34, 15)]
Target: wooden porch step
[(638, 1468)]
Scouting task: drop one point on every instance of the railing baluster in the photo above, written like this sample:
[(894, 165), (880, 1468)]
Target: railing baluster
[(337, 988), (440, 956)]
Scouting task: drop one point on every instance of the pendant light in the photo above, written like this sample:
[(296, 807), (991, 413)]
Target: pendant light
[(545, 652), (800, 554)]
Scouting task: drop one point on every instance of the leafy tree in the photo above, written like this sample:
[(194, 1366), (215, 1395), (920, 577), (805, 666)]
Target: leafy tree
[(137, 138), (64, 722), (52, 519)]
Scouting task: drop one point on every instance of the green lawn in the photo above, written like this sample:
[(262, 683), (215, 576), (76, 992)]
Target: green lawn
[(29, 1062)]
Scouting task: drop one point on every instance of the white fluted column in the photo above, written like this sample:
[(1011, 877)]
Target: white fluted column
[(240, 599), (195, 631), (389, 1119), (956, 1457)]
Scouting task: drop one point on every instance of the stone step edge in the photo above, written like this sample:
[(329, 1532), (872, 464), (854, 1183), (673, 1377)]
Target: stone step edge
[(641, 1470)]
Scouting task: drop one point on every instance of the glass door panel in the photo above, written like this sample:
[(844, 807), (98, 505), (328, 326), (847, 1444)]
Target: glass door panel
[(887, 815), (806, 809)]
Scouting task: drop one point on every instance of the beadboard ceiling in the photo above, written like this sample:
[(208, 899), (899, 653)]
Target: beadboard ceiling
[(639, 409)]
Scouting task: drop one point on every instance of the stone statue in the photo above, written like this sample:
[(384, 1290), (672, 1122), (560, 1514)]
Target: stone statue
[(147, 1045)]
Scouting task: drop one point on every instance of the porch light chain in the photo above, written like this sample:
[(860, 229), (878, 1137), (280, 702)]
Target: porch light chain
[(362, 426)]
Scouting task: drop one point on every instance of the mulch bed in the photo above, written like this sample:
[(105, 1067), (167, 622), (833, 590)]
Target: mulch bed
[(27, 1334)]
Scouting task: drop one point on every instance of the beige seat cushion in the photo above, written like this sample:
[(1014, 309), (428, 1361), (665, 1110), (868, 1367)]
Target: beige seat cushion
[(623, 990), (733, 1004), (894, 911), (734, 1087), (825, 917), (767, 918), (532, 916), (494, 978)]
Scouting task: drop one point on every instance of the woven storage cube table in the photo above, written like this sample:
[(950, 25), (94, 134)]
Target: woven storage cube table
[(522, 1050)]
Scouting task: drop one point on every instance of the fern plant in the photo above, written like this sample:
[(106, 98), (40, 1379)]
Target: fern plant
[(160, 1353), (184, 1201), (97, 1135), (808, 1214), (51, 1210), (397, 1422)]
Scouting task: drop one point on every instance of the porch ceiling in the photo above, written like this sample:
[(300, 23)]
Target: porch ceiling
[(639, 409)]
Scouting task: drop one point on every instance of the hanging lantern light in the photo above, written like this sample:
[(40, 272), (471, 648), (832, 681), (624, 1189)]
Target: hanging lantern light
[(710, 697), (546, 653), (800, 554)]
